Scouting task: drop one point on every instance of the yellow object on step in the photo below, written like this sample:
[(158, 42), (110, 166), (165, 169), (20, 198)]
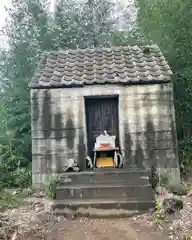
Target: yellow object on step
[(104, 162)]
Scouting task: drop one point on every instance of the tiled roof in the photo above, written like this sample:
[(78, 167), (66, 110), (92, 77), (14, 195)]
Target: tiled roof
[(127, 65)]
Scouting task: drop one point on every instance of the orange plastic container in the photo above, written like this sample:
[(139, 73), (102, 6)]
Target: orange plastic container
[(104, 162)]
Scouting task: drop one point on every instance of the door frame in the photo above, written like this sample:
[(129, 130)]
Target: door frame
[(86, 99)]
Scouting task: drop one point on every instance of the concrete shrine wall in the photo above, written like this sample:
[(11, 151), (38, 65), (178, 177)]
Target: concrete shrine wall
[(147, 131)]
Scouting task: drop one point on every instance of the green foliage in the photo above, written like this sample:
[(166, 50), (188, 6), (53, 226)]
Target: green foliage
[(186, 155), (22, 177), (82, 24), (122, 38), (12, 171), (153, 178), (169, 24), (50, 189), (18, 178), (8, 200), (24, 33), (159, 216), (158, 211)]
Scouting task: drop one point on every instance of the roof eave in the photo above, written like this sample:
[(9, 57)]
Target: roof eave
[(140, 82)]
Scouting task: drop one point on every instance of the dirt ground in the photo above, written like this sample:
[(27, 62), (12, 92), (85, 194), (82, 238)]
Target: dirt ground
[(113, 229), (35, 220)]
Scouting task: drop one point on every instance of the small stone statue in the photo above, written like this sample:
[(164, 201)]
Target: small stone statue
[(71, 165), (90, 164)]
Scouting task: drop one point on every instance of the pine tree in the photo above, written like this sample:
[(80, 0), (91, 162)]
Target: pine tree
[(169, 24), (83, 24), (27, 31)]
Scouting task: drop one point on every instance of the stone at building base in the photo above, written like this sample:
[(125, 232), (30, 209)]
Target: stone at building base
[(171, 205), (172, 175)]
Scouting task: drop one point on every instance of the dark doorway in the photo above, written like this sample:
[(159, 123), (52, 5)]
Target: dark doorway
[(101, 114)]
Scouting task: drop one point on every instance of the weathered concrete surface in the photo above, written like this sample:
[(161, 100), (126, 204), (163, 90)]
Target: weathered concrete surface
[(100, 191), (146, 126), (116, 176)]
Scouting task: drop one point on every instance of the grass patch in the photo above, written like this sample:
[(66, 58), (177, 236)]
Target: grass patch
[(50, 189), (10, 199)]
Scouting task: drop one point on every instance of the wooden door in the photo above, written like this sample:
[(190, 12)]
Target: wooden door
[(101, 115)]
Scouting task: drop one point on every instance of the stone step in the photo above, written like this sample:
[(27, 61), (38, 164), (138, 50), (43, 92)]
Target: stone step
[(100, 191), (105, 177), (97, 213), (101, 208)]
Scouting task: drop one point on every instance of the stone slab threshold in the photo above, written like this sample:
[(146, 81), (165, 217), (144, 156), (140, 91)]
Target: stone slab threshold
[(97, 213), (102, 208)]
